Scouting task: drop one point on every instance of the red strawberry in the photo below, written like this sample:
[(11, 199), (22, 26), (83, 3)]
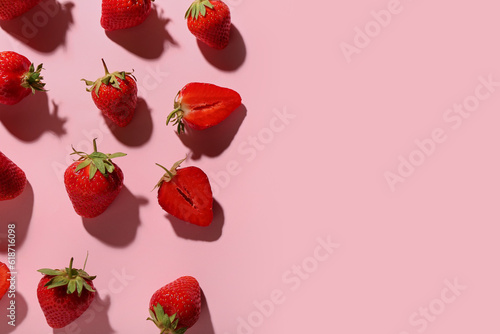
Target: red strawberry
[(65, 294), (10, 9), (4, 279), (185, 193), (210, 22), (93, 182), (202, 105), (115, 94), (176, 307), (12, 179), (18, 77), (122, 14)]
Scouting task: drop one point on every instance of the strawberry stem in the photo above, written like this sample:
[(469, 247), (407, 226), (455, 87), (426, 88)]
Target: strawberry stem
[(33, 79), (170, 173), (106, 71)]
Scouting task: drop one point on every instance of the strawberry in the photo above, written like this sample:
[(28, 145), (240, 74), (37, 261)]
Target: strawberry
[(10, 9), (18, 77), (176, 307), (210, 22), (122, 14), (12, 179), (185, 193), (93, 182), (202, 105), (4, 279), (65, 294), (115, 94)]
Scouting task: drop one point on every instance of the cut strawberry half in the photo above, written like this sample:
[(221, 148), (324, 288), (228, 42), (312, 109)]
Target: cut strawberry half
[(203, 105), (4, 279), (185, 193)]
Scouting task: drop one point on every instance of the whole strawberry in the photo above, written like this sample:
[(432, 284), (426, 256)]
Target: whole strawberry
[(10, 9), (18, 77), (122, 14), (115, 94), (93, 182), (12, 179), (64, 295), (202, 105), (210, 22), (4, 279), (185, 193), (176, 307)]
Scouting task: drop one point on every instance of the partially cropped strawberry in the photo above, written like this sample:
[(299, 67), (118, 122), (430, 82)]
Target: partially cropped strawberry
[(93, 182), (185, 193), (12, 179), (122, 14), (202, 105), (65, 294), (115, 94), (10, 9), (4, 279), (18, 77), (176, 307), (210, 22)]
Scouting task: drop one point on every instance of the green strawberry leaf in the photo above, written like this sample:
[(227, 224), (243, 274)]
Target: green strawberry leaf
[(73, 279), (50, 272), (107, 79), (97, 161)]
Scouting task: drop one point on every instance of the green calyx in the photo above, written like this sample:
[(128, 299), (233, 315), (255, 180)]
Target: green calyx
[(107, 79), (97, 161), (33, 79), (73, 279), (197, 8), (166, 323), (169, 173), (176, 115)]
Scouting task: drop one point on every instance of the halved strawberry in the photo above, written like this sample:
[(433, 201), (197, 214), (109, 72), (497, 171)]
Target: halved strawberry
[(185, 193), (4, 279), (202, 105)]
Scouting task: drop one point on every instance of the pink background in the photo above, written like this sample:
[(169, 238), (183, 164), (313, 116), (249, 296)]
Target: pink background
[(309, 235)]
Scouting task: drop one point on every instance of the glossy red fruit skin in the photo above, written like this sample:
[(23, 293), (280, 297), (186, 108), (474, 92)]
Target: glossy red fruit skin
[(13, 66), (10, 9), (206, 105), (61, 309), (188, 196), (90, 198), (117, 105), (183, 297), (4, 279), (123, 14), (214, 28), (12, 179)]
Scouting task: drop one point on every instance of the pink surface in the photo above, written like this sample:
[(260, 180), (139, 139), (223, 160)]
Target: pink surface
[(356, 191)]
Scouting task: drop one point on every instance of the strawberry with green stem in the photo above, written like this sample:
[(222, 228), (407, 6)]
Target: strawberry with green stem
[(65, 294), (93, 182), (18, 77), (202, 105), (115, 94), (210, 22), (176, 307), (185, 193)]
